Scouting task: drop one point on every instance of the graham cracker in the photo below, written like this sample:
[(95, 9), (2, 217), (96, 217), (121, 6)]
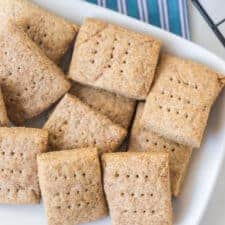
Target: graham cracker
[(42, 26), (19, 147), (71, 186), (30, 81), (4, 120), (114, 58), (142, 139), (137, 188), (117, 108), (75, 125), (180, 100)]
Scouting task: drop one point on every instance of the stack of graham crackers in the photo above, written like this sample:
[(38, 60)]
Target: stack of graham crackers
[(125, 121)]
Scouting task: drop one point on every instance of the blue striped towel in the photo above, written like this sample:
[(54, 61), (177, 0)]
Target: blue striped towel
[(171, 15)]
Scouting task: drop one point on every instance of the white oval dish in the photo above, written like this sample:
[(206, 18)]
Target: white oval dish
[(205, 163)]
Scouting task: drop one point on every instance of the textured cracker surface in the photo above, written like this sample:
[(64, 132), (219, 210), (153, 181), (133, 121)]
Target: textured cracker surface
[(180, 100), (137, 188), (117, 108), (142, 139), (43, 27), (19, 147), (4, 120), (71, 186), (74, 125), (30, 81), (115, 59)]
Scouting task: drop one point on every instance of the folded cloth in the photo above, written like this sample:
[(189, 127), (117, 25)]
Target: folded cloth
[(171, 15)]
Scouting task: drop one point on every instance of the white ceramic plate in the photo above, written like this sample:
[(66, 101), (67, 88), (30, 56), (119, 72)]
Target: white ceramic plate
[(206, 162)]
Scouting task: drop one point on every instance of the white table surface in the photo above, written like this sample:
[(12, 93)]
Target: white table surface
[(201, 34)]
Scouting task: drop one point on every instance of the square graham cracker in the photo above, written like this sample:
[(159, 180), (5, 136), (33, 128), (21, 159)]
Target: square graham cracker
[(30, 81), (180, 100), (75, 125), (4, 120), (137, 188), (71, 186), (117, 108), (142, 139), (115, 59), (43, 27), (19, 147)]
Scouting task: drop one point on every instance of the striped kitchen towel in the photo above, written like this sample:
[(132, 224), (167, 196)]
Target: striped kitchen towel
[(171, 15)]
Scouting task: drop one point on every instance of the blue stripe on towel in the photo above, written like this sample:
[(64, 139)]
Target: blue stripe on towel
[(174, 16)]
